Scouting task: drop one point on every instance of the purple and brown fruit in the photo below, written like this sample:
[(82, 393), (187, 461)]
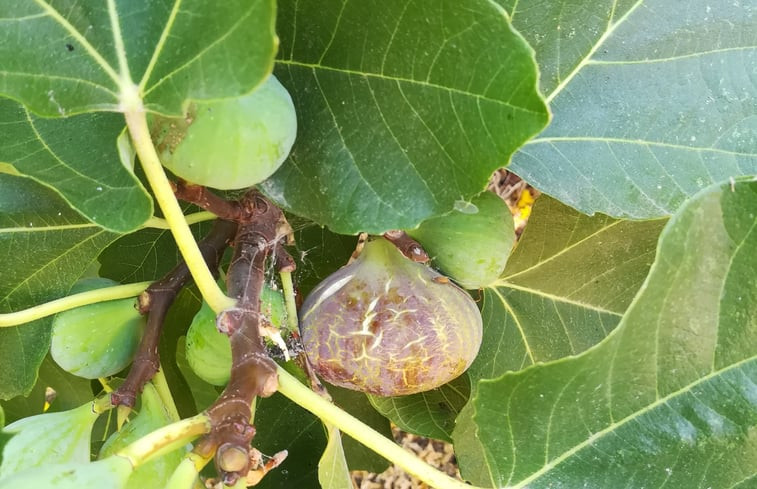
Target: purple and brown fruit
[(388, 326)]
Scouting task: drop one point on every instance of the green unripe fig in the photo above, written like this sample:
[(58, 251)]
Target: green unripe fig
[(231, 143), (388, 326), (96, 340), (470, 248), (208, 351)]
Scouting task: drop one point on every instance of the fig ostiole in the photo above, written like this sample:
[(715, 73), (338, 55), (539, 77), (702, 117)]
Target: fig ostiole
[(230, 143), (208, 351), (389, 326), (96, 340), (471, 248)]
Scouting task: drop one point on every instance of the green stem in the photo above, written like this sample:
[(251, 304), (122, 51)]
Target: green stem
[(140, 135), (165, 439), (161, 386), (194, 218), (289, 300), (330, 414), (72, 301)]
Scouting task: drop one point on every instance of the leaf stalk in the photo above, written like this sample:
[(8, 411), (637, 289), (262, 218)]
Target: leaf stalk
[(72, 301), (140, 134)]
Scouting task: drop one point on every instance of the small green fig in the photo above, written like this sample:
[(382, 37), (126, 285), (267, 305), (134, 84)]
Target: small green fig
[(231, 143), (388, 326), (96, 340), (208, 351), (470, 248)]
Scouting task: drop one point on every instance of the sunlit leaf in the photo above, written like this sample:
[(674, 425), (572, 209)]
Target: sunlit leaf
[(651, 102), (668, 399), (110, 473), (332, 467), (61, 437), (566, 286)]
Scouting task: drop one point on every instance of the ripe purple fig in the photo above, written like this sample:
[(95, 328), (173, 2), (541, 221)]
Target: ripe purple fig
[(388, 326)]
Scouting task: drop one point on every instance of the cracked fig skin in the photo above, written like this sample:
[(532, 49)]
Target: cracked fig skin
[(388, 326)]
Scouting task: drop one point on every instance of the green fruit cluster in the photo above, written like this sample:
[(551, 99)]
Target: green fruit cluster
[(96, 340), (231, 143), (388, 326)]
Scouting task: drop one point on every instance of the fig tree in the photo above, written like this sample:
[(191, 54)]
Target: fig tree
[(471, 248), (230, 143), (388, 326), (208, 351), (96, 340)]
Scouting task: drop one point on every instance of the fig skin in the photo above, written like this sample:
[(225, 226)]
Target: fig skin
[(231, 143), (472, 249), (96, 340), (208, 351), (388, 326)]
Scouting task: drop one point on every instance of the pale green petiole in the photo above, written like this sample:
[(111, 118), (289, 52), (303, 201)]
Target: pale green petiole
[(71, 302)]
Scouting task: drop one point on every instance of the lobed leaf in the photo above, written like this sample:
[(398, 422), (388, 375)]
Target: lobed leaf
[(404, 108), (668, 399), (651, 103), (46, 247)]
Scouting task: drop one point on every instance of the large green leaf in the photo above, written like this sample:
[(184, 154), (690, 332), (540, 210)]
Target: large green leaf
[(651, 102), (403, 107), (565, 287), (80, 160), (669, 398), (62, 57), (45, 247)]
